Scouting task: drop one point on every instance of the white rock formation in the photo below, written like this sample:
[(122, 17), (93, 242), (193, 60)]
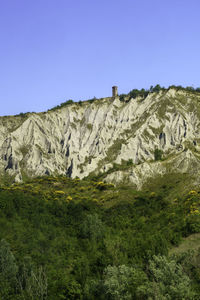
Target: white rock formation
[(82, 138)]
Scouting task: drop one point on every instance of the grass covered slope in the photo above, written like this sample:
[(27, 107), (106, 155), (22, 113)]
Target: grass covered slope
[(67, 238)]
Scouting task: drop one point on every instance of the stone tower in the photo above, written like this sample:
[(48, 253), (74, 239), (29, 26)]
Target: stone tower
[(114, 91)]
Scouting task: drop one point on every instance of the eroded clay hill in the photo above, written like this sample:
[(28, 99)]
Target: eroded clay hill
[(79, 139)]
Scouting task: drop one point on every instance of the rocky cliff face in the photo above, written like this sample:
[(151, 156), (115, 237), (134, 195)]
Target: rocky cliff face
[(96, 137)]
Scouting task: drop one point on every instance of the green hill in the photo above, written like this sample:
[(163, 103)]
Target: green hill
[(67, 238)]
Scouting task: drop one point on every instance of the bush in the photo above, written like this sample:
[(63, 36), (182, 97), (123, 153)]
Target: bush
[(158, 154)]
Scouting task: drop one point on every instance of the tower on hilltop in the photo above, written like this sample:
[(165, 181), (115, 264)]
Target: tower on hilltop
[(114, 91)]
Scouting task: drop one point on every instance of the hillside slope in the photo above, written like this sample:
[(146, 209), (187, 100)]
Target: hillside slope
[(83, 138), (61, 236)]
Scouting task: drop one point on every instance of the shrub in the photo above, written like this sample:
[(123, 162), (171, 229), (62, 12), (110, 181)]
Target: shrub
[(158, 154)]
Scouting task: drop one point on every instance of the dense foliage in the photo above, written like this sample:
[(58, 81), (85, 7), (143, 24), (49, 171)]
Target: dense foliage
[(73, 239), (63, 104), (155, 89)]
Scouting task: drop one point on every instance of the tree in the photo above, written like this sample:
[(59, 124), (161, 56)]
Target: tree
[(92, 227), (168, 280), (32, 281), (123, 282), (8, 271), (8, 266), (156, 88), (189, 88)]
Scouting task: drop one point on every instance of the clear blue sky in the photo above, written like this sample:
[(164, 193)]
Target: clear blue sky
[(54, 50)]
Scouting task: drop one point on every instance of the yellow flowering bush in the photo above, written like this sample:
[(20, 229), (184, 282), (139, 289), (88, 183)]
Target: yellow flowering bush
[(103, 186), (152, 194), (59, 192), (69, 198), (192, 193)]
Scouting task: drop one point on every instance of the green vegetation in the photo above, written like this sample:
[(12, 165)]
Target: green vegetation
[(92, 100), (188, 243), (158, 154), (143, 93), (85, 239), (112, 152), (124, 166), (13, 122), (155, 89), (89, 126), (66, 103), (70, 102), (24, 150)]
